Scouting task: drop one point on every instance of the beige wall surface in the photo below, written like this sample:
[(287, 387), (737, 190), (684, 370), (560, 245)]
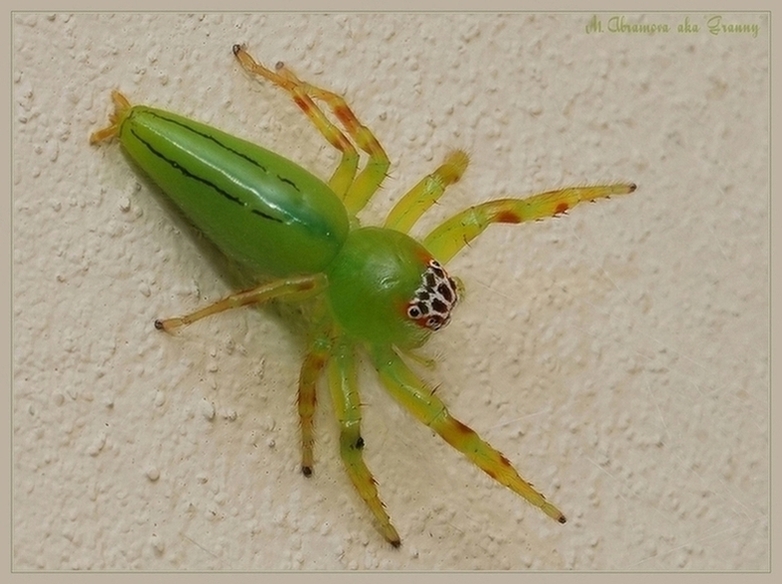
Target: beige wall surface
[(618, 356)]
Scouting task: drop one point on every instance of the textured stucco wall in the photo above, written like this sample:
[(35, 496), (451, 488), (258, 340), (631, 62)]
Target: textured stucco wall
[(617, 356)]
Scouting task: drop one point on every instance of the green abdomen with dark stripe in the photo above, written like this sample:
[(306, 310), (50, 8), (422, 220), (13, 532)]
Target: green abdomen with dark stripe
[(260, 209)]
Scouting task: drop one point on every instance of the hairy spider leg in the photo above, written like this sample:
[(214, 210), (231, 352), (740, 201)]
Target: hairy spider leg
[(343, 384), (372, 175), (426, 193), (446, 240), (346, 170), (311, 370), (419, 399), (293, 288), (355, 191)]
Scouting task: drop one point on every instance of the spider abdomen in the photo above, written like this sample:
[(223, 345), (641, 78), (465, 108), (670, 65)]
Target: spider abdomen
[(257, 207)]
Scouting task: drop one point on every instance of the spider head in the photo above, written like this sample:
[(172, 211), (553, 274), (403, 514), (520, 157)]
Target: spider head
[(386, 288), (434, 299)]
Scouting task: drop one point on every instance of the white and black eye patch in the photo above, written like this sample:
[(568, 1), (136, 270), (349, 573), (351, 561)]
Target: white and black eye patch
[(433, 301)]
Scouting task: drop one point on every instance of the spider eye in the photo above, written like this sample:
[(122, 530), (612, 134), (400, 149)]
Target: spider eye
[(434, 299)]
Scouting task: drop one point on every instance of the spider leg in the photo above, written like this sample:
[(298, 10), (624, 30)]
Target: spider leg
[(294, 288), (311, 370), (344, 394), (354, 190), (346, 170), (419, 399), (426, 193), (455, 233)]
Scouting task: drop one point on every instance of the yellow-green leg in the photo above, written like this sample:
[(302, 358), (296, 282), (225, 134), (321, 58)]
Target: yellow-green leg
[(346, 170), (355, 190), (423, 195), (458, 231), (297, 288), (374, 172), (420, 400), (344, 394), (311, 370)]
